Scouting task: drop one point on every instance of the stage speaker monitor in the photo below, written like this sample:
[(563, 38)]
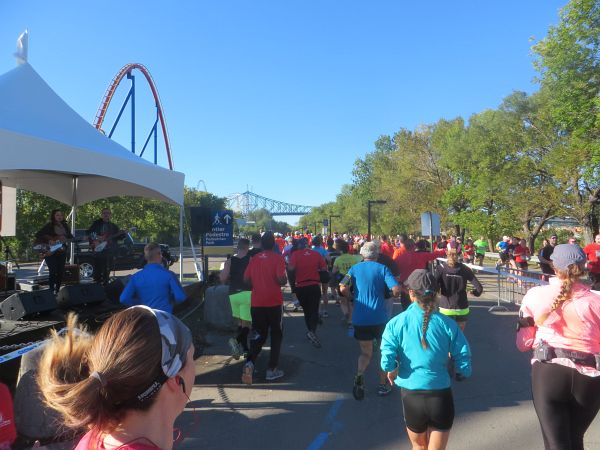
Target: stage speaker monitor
[(24, 305), (80, 294), (200, 219)]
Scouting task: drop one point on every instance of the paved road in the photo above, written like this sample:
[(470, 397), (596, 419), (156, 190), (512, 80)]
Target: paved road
[(312, 406)]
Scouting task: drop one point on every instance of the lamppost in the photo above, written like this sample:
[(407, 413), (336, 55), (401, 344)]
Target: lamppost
[(331, 216), (369, 203)]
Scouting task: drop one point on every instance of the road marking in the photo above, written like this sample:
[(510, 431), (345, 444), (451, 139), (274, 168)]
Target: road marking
[(330, 422)]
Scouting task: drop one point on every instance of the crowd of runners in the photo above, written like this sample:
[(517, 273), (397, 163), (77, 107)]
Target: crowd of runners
[(423, 347)]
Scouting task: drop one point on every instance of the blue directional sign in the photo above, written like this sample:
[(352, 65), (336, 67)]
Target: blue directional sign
[(221, 233)]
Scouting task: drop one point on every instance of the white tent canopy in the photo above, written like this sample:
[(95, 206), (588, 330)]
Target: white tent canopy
[(44, 145)]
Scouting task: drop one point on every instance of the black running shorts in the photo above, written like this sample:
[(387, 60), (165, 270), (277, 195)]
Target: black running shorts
[(428, 409), (368, 332)]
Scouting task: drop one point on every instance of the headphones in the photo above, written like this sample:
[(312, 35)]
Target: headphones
[(181, 383)]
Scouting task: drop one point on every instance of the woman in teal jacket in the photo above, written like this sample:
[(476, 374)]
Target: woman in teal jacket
[(414, 352)]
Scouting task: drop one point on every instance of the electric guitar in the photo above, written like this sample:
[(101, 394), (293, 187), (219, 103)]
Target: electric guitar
[(50, 248), (100, 242)]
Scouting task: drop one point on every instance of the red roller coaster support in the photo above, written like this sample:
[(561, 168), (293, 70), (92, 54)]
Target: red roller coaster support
[(108, 95)]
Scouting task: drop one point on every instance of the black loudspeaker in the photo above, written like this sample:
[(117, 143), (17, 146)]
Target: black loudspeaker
[(114, 288), (200, 219), (26, 304), (80, 294)]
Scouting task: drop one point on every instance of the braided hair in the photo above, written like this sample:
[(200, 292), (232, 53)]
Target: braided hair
[(427, 301), (568, 277)]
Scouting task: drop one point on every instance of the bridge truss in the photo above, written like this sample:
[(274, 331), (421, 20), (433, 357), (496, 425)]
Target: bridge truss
[(249, 202)]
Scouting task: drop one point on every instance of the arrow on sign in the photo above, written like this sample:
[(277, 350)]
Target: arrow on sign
[(227, 218)]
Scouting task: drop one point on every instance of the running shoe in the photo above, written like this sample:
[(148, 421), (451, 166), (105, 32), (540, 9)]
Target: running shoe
[(235, 347), (274, 374), (358, 391), (312, 337), (297, 306), (247, 373), (384, 389), (324, 314)]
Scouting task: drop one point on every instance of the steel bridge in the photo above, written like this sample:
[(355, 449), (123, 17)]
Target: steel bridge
[(249, 202)]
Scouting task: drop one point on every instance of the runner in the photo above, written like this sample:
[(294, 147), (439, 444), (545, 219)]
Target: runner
[(266, 274), (545, 255), (239, 296), (452, 277), (561, 322), (317, 246), (481, 246), (333, 283), (307, 264), (409, 261), (341, 266), (592, 252), (522, 255), (369, 279), (469, 252), (414, 353)]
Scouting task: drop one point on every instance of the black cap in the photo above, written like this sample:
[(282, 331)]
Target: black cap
[(422, 281)]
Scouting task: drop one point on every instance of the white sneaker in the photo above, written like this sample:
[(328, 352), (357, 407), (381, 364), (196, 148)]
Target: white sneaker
[(274, 374), (247, 372)]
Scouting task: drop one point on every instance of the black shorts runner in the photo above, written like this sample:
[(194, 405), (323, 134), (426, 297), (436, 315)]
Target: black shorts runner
[(428, 409), (368, 332)]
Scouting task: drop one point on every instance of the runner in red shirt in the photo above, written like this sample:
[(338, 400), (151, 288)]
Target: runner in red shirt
[(522, 255), (409, 261), (592, 253), (266, 274), (307, 264), (385, 247)]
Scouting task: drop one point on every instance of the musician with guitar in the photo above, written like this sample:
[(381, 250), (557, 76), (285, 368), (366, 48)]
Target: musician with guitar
[(52, 239), (103, 234)]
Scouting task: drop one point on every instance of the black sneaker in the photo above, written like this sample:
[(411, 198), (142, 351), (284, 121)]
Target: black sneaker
[(358, 391)]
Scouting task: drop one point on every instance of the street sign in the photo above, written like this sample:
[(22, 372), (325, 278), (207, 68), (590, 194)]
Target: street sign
[(219, 240), (430, 224)]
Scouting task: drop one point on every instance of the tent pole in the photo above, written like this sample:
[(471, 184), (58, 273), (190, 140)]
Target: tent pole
[(181, 244), (73, 217)]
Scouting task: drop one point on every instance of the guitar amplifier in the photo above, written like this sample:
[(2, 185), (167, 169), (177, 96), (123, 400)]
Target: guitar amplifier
[(71, 274)]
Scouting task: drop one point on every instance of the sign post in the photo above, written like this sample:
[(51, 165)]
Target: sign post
[(219, 240), (430, 225)]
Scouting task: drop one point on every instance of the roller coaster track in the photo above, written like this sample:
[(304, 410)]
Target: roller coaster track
[(108, 95), (249, 202)]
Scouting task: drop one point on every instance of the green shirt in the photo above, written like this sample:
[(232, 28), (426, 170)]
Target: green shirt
[(345, 261), (480, 246)]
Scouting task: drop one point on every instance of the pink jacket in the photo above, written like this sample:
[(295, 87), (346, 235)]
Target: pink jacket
[(574, 326)]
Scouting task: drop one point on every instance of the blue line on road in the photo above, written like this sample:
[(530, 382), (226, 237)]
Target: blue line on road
[(331, 423)]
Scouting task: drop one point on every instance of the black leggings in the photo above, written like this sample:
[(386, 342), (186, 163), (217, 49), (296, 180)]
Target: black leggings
[(566, 403), (264, 320), (309, 298), (56, 269)]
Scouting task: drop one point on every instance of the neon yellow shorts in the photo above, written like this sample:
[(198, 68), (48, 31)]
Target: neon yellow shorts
[(240, 305)]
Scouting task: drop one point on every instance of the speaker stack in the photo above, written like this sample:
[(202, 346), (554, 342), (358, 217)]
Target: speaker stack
[(28, 305), (76, 295)]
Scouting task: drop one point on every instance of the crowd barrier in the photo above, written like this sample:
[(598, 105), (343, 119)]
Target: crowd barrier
[(511, 284)]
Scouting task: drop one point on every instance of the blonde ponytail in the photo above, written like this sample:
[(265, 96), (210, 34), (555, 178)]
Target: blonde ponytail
[(568, 278)]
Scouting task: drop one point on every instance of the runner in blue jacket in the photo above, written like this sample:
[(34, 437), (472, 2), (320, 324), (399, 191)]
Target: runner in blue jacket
[(414, 352)]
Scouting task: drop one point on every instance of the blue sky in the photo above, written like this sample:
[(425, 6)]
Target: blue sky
[(282, 96)]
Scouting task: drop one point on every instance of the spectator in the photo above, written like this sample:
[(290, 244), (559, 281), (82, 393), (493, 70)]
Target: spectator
[(126, 385), (153, 286)]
